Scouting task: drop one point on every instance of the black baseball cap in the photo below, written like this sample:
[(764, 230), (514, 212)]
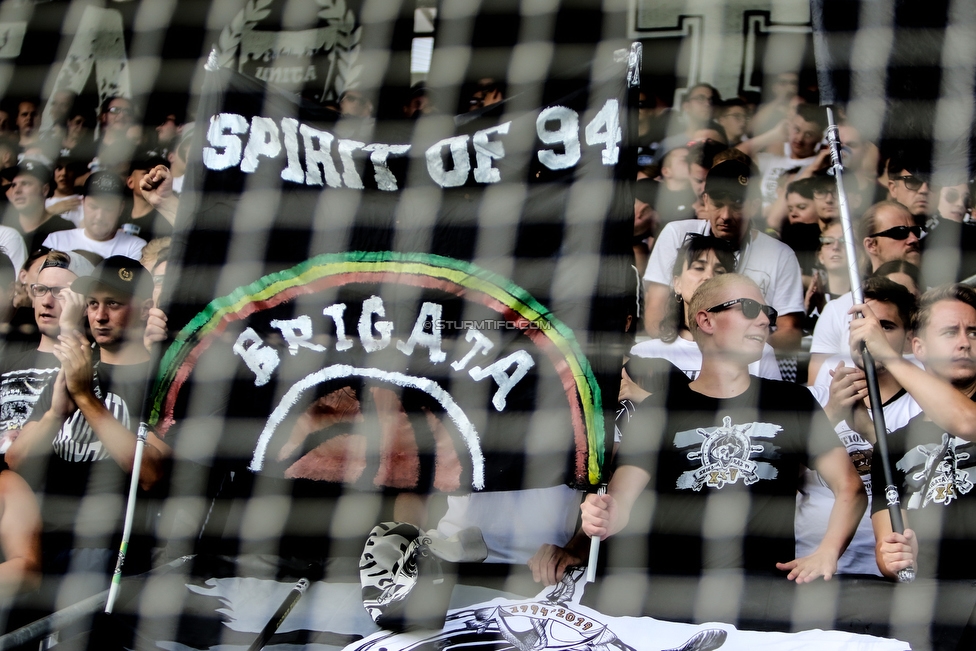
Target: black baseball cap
[(34, 168), (729, 179), (121, 273), (146, 160), (104, 184)]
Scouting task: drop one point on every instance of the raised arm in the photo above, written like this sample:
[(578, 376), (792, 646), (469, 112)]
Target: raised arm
[(946, 406), (74, 353)]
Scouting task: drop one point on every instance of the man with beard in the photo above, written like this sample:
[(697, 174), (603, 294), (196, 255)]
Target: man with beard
[(729, 206)]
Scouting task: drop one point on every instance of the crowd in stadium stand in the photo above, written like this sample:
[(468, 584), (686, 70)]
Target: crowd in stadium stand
[(746, 295)]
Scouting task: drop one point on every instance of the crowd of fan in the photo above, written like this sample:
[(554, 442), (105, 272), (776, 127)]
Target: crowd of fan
[(736, 210), (738, 239), (89, 202)]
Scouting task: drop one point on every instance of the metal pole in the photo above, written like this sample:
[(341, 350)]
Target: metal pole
[(130, 508), (72, 613), (870, 372), (279, 615)]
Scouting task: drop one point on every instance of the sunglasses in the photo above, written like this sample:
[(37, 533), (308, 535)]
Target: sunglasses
[(38, 290), (899, 232), (830, 241), (750, 309), (952, 195), (912, 183)]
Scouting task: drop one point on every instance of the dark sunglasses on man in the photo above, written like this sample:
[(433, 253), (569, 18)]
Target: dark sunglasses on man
[(913, 183), (750, 309), (899, 232)]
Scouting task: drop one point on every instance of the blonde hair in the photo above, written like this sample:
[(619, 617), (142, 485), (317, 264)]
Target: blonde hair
[(707, 295)]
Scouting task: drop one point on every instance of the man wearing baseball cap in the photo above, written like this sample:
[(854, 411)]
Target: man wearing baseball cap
[(84, 423), (104, 199), (730, 200), (30, 186)]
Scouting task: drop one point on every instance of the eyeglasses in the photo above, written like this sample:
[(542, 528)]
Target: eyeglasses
[(830, 241), (821, 193), (952, 195), (899, 232), (119, 110), (38, 290), (912, 183), (700, 98), (750, 309)]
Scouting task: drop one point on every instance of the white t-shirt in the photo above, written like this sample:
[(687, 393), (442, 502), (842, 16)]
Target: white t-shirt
[(832, 334), (75, 215), (814, 502), (767, 261), (13, 244), (515, 523), (772, 166), (687, 357), (122, 244)]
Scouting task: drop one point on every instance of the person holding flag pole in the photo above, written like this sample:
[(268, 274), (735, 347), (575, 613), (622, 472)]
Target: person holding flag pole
[(906, 574)]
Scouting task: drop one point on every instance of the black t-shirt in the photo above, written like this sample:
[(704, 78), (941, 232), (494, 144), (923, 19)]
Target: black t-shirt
[(79, 466), (148, 227), (35, 239), (954, 244), (23, 376), (934, 473), (725, 474)]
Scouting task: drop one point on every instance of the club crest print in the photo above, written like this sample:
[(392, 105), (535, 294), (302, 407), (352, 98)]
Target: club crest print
[(725, 454), (549, 622), (937, 473)]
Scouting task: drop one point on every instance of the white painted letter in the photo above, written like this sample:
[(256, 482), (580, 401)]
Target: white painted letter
[(381, 171), (459, 156), (485, 150), (297, 333), (350, 175), (336, 310), (263, 140), (505, 382), (481, 343), (221, 136), (431, 340), (374, 305), (261, 359), (318, 151), (294, 171)]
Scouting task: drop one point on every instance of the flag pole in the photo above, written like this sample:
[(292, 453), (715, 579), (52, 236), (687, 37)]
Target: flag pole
[(874, 394), (825, 84), (130, 511)]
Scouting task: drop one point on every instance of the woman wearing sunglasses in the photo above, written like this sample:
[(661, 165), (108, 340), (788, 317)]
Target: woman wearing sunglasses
[(722, 457), (701, 257), (951, 239)]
